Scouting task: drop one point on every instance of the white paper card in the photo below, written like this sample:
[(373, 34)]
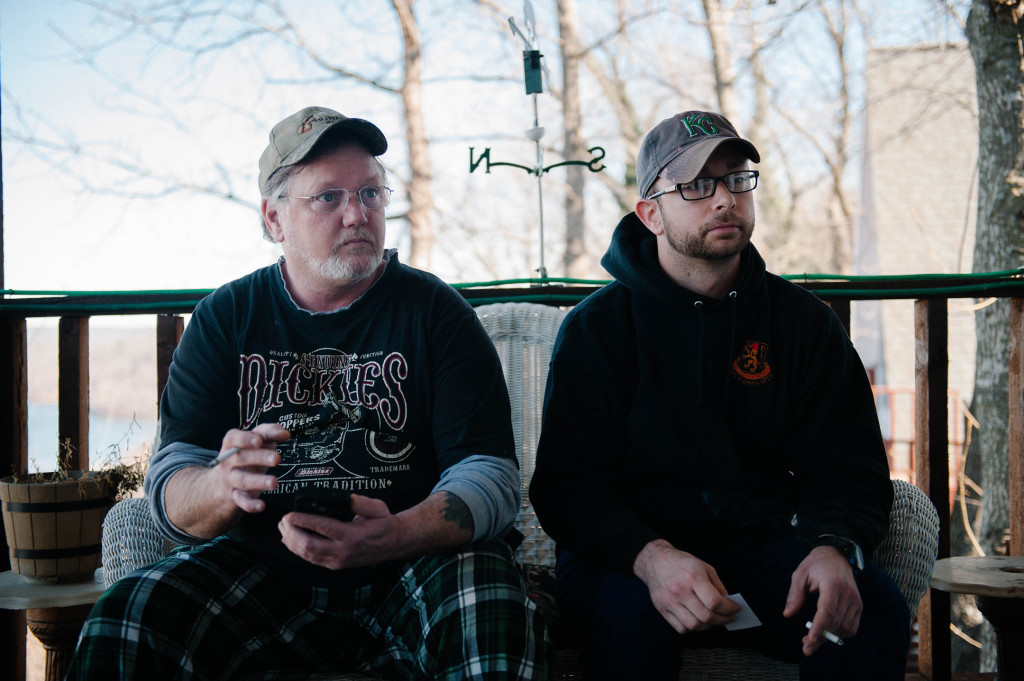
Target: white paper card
[(745, 618)]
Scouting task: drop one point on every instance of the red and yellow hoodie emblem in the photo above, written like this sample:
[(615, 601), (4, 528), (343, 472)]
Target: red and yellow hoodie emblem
[(751, 365)]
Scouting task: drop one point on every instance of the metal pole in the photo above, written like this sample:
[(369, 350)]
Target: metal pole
[(539, 172)]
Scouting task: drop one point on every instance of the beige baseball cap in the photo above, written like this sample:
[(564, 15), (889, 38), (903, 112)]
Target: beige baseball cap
[(292, 139)]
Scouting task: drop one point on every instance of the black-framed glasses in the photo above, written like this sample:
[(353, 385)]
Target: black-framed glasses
[(372, 197), (740, 182)]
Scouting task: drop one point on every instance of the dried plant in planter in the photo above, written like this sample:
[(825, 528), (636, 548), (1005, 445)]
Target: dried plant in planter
[(53, 520)]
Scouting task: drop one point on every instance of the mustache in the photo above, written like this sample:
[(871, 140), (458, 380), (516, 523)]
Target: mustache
[(359, 235), (727, 218)]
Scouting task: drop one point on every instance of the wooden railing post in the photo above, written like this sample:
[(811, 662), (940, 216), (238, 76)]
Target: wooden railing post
[(841, 306), (13, 398), (169, 328), (931, 465), (13, 459), (73, 393), (1016, 426)]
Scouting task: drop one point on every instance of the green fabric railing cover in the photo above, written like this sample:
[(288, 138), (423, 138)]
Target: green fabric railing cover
[(975, 284)]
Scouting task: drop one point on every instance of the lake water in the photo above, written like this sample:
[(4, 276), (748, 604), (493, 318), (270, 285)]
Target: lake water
[(104, 431)]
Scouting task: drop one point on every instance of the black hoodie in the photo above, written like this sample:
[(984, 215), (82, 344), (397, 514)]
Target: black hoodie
[(704, 422)]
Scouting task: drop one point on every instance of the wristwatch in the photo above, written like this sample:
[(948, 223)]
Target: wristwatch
[(847, 547)]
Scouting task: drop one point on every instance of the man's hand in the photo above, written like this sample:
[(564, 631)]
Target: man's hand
[(242, 477), (207, 501), (826, 571), (684, 589), (371, 537), (439, 522)]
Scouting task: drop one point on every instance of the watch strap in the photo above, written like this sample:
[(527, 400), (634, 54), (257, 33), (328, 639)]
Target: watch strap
[(849, 548)]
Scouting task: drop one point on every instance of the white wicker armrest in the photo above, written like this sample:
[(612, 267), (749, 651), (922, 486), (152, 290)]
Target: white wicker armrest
[(130, 539), (909, 550)]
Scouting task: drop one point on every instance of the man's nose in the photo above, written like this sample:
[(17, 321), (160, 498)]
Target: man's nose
[(354, 213), (722, 196)]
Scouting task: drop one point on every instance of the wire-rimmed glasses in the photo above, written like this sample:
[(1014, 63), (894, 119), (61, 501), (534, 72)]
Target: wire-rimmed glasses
[(371, 197)]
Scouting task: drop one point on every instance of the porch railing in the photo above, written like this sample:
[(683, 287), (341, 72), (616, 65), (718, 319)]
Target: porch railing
[(931, 295)]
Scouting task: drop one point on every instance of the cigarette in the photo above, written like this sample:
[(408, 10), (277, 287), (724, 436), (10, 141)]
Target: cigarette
[(829, 636), (223, 456)]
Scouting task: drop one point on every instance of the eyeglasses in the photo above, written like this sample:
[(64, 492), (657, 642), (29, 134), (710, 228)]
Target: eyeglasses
[(740, 182), (373, 197)]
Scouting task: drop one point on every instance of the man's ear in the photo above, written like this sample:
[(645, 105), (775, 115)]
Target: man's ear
[(272, 219), (649, 213)]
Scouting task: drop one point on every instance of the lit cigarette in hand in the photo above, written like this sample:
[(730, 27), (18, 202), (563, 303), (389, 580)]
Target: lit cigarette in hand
[(829, 636), (228, 453)]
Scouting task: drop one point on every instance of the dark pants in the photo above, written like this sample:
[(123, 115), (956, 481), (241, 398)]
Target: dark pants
[(622, 636)]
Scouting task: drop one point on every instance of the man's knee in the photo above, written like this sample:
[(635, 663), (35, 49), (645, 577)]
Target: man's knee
[(621, 633), (886, 617), (478, 604)]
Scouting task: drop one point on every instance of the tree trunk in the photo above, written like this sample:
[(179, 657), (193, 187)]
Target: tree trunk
[(995, 40), (775, 210), (838, 21), (725, 74), (421, 226), (575, 260)]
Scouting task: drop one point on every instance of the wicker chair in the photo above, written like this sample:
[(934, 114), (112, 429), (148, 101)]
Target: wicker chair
[(523, 334)]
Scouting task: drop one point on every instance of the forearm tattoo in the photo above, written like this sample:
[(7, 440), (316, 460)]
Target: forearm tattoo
[(456, 511)]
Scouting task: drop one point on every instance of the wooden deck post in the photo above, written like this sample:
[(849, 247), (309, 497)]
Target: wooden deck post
[(1016, 426), (13, 400), (931, 464), (13, 459), (842, 308), (169, 328), (73, 393)]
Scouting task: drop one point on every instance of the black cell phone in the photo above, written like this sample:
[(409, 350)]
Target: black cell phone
[(335, 505)]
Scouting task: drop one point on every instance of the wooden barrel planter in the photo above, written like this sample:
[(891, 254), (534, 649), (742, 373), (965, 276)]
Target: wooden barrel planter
[(54, 529)]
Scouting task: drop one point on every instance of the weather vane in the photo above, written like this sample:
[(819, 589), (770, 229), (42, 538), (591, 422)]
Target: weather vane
[(534, 72)]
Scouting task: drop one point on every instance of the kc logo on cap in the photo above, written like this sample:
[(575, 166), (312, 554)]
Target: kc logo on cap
[(703, 123)]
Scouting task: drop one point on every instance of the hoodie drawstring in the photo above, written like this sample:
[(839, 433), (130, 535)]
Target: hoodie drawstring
[(699, 307), (734, 300)]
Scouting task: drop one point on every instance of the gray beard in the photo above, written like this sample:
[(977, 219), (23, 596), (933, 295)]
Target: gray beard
[(341, 270)]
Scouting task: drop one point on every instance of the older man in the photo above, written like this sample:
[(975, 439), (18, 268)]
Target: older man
[(337, 456), (709, 431)]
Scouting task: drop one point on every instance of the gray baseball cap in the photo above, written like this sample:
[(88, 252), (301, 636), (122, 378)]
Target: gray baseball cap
[(678, 147), (292, 139)]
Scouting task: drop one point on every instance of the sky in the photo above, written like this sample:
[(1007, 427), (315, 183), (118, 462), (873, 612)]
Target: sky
[(61, 236), (58, 237)]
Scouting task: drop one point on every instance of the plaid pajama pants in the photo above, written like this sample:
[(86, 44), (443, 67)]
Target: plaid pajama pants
[(209, 613)]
